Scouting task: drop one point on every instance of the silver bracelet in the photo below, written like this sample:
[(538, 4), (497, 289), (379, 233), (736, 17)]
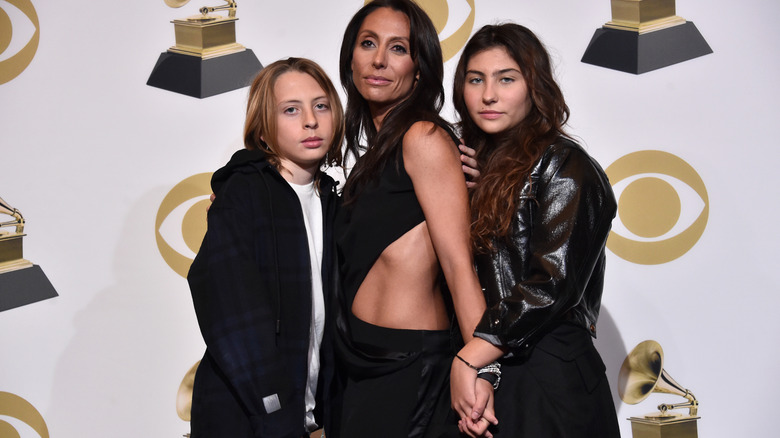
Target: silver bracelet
[(491, 373)]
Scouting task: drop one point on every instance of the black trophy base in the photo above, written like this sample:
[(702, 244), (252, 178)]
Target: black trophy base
[(24, 286), (632, 52), (201, 78)]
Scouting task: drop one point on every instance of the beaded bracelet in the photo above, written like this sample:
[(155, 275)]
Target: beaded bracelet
[(491, 373)]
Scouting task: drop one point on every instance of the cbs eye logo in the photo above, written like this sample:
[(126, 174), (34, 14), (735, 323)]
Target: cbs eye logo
[(17, 414), (663, 207), (19, 37), (181, 222), (454, 26)]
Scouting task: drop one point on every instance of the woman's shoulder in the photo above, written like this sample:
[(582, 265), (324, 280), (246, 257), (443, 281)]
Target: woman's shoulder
[(429, 133), (564, 146), (565, 151), (566, 158), (428, 150)]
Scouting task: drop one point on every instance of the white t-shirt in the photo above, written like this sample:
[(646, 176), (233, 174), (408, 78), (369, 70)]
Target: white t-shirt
[(312, 215)]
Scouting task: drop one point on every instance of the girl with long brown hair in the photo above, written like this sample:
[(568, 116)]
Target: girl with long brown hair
[(541, 213)]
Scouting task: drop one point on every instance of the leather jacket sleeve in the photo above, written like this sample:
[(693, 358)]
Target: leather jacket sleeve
[(550, 268)]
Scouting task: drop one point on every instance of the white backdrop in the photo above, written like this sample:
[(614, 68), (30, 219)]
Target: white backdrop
[(88, 152)]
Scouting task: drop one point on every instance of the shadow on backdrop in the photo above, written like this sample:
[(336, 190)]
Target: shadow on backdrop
[(612, 349)]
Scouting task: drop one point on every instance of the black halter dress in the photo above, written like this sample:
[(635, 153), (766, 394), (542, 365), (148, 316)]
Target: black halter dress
[(396, 381)]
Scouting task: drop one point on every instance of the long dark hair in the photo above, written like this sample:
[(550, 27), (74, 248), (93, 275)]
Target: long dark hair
[(424, 102), (505, 159)]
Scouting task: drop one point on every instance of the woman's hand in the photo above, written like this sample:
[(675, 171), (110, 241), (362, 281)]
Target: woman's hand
[(463, 389), (472, 399), (477, 426), (469, 165), (212, 197)]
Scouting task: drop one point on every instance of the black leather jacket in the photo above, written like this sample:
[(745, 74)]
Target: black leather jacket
[(551, 268)]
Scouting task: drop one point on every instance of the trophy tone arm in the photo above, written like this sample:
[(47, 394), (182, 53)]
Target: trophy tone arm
[(14, 213), (692, 405), (18, 223), (230, 7)]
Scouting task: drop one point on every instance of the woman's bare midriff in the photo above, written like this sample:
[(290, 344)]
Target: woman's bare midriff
[(401, 290)]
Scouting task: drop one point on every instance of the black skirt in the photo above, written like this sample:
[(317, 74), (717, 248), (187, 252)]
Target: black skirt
[(397, 383), (559, 390)]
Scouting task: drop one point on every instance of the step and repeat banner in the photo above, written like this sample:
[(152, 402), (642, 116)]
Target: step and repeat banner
[(104, 183)]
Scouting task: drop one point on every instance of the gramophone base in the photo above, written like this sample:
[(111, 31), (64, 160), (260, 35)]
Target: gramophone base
[(24, 286), (10, 249), (634, 52), (669, 427), (197, 77)]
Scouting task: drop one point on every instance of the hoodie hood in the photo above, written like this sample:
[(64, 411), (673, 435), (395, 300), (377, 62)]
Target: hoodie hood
[(239, 162), (245, 161)]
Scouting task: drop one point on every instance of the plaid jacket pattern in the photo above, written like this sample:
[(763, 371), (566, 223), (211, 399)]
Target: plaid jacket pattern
[(251, 289)]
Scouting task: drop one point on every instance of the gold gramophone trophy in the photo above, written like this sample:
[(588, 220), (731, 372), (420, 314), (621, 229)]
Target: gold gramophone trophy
[(11, 241), (644, 35), (184, 395), (642, 374), (21, 282), (206, 59), (206, 35)]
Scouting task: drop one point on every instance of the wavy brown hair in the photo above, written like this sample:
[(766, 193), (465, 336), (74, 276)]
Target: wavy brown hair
[(423, 103), (261, 111), (505, 159)]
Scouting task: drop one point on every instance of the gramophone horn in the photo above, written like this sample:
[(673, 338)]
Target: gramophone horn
[(176, 3), (642, 374), (184, 396)]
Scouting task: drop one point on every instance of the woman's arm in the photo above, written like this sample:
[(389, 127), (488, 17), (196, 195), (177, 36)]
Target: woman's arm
[(434, 166)]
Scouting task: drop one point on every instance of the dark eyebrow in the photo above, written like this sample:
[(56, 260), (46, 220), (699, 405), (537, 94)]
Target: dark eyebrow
[(400, 38), (498, 73), (370, 33), (507, 70), (362, 33)]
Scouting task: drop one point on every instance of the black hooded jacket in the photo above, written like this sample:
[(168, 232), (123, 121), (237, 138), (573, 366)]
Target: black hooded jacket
[(251, 289)]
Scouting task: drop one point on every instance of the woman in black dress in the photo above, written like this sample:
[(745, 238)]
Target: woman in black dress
[(403, 228)]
